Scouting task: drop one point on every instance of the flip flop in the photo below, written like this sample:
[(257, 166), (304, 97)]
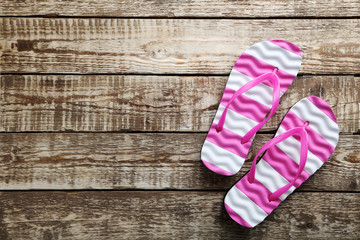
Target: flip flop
[(260, 76), (304, 141)]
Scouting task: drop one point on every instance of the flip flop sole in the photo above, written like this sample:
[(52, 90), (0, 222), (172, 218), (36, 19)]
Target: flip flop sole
[(247, 203), (222, 151)]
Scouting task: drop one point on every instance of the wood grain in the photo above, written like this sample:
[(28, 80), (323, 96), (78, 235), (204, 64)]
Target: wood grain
[(142, 161), (173, 8), (180, 46), (149, 66), (148, 103), (168, 215)]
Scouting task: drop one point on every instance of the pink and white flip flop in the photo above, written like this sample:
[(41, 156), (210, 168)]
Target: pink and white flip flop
[(304, 141), (260, 76)]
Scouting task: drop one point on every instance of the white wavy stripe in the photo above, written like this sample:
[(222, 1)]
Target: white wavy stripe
[(261, 93), (318, 120), (271, 179), (291, 147), (276, 56), (234, 121), (244, 206), (221, 158)]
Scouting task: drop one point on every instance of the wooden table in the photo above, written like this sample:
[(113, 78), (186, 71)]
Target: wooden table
[(105, 106)]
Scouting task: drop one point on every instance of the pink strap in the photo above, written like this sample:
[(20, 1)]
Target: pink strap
[(301, 131), (275, 102)]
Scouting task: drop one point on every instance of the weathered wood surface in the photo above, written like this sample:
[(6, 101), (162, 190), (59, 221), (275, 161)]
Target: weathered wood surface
[(181, 46), (117, 37), (142, 161), (148, 103), (174, 8), (169, 215)]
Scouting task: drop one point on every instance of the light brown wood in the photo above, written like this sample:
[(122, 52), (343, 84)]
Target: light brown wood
[(142, 161), (148, 103), (173, 8), (169, 215), (181, 46), (159, 68)]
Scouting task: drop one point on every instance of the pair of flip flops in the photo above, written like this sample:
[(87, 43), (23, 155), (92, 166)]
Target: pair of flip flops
[(304, 141)]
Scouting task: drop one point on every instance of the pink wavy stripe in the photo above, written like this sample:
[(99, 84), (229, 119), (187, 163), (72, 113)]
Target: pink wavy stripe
[(317, 144), (245, 106), (258, 193), (236, 217), (323, 106), (284, 165), (253, 67), (228, 140), (288, 46), (216, 169)]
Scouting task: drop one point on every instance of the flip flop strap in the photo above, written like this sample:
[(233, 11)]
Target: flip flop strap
[(300, 131), (272, 76)]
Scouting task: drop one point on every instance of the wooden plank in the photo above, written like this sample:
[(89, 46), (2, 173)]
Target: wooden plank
[(173, 8), (181, 46), (142, 161), (148, 103), (168, 215)]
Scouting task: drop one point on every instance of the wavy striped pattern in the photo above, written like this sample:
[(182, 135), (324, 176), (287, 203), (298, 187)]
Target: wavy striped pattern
[(317, 144), (245, 106), (254, 67), (277, 159), (231, 139), (321, 104), (271, 179), (249, 109), (281, 162), (288, 46), (291, 148), (319, 120), (261, 94), (220, 157), (276, 56), (258, 193), (235, 122), (244, 207)]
